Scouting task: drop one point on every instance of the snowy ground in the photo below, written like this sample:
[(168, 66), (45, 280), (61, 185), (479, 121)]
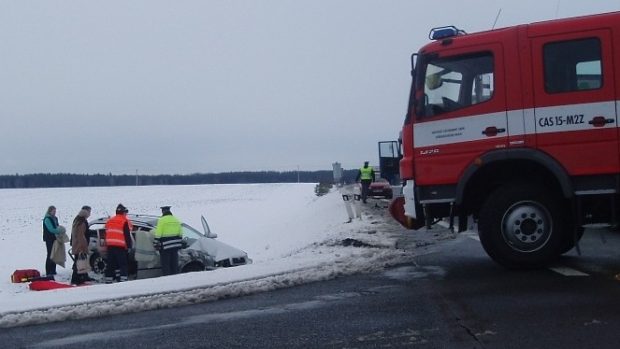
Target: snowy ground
[(292, 236)]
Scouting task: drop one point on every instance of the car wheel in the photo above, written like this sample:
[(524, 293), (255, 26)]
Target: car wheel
[(98, 263), (521, 226), (192, 267)]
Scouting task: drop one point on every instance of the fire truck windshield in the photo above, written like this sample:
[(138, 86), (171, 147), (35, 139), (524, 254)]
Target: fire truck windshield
[(452, 83)]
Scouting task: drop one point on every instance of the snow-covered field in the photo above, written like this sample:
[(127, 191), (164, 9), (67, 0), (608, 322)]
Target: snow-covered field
[(292, 236)]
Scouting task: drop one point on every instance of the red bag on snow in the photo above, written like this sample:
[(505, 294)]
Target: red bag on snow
[(24, 275), (44, 285)]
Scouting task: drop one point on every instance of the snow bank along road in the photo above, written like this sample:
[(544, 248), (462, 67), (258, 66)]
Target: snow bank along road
[(293, 237)]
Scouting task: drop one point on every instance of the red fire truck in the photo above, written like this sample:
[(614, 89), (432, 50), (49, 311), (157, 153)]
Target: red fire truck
[(517, 128)]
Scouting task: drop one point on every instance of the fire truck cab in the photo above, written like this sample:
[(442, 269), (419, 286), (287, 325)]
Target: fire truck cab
[(518, 128)]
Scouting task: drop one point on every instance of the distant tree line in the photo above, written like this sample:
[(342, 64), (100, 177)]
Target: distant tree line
[(52, 180)]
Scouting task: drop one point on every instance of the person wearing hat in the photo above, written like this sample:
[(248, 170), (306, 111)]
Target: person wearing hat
[(169, 239), (366, 175), (118, 241)]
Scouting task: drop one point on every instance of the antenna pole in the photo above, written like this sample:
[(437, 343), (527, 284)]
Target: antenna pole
[(496, 18)]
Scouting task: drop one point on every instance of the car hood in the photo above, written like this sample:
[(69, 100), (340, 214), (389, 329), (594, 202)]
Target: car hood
[(217, 249)]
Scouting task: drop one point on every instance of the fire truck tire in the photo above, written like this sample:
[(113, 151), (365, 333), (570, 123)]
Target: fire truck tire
[(521, 226)]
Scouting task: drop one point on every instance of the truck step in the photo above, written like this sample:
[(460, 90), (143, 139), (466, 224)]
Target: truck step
[(597, 226)]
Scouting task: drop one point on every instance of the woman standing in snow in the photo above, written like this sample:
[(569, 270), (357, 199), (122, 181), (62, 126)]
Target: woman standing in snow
[(79, 243), (50, 230)]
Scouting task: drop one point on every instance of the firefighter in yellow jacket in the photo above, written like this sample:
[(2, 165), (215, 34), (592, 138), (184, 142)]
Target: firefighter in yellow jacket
[(169, 239)]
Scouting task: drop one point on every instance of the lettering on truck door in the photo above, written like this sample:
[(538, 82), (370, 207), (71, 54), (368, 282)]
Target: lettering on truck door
[(574, 96), (463, 112)]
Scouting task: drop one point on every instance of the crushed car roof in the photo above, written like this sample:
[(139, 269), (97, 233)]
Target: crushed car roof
[(143, 219)]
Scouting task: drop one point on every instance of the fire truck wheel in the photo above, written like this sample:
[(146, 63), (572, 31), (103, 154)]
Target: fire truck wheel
[(521, 226)]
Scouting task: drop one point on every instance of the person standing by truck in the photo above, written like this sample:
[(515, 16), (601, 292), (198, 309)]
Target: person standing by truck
[(169, 239), (366, 175)]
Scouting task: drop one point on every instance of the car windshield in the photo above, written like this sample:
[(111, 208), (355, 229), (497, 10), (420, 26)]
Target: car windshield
[(191, 234)]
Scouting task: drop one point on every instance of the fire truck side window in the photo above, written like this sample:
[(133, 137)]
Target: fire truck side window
[(573, 65), (453, 83)]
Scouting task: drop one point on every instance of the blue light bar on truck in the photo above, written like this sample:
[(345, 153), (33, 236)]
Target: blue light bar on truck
[(444, 32)]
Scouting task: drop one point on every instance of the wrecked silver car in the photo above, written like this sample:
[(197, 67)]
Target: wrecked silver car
[(201, 251)]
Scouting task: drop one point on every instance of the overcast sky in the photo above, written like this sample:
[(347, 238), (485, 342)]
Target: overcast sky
[(179, 87)]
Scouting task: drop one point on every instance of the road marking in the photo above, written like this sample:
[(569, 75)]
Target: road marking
[(566, 271), (562, 270)]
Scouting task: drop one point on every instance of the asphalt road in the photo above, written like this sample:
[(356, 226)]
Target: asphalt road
[(452, 297)]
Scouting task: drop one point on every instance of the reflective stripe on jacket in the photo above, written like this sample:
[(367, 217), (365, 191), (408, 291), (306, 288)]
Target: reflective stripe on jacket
[(366, 173), (115, 231), (169, 232)]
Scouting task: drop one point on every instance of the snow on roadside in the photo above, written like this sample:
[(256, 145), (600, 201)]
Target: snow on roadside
[(292, 236)]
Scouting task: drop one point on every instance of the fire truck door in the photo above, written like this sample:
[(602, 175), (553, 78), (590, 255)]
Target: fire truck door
[(575, 110), (465, 112), (389, 157)]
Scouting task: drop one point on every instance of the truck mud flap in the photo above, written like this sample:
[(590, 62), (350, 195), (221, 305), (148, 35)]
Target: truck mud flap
[(397, 211)]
